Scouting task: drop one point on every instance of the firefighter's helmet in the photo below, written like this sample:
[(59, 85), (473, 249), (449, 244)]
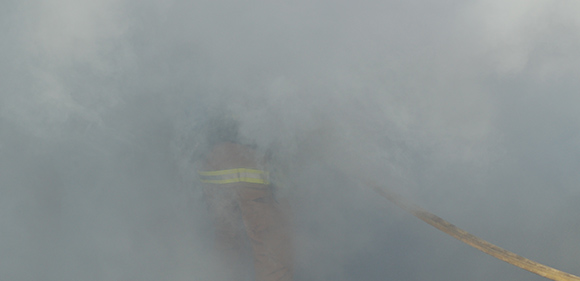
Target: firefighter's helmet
[(222, 127)]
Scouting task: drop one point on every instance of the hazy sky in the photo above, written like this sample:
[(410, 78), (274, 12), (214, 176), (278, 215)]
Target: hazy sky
[(468, 108)]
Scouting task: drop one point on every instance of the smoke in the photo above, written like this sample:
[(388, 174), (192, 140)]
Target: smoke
[(467, 108)]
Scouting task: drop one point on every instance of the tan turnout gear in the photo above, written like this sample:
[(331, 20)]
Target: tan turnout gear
[(237, 190)]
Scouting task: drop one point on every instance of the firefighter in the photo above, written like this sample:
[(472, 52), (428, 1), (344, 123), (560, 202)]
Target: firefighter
[(241, 200)]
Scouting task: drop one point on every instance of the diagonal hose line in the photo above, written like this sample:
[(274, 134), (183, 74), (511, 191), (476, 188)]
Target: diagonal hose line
[(472, 240)]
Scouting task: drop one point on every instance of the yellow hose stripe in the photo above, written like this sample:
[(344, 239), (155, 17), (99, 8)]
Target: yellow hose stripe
[(474, 241)]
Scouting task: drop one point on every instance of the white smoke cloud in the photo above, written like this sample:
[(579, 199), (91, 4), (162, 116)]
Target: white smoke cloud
[(60, 33), (58, 41), (468, 108)]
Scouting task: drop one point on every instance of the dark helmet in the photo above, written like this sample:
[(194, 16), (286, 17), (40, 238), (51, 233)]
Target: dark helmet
[(222, 127)]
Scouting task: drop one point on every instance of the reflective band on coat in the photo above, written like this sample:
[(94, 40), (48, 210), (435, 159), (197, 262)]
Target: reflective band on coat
[(234, 175)]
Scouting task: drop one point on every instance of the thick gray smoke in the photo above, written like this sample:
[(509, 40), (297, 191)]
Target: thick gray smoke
[(469, 109)]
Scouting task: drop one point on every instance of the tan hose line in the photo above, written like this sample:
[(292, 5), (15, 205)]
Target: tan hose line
[(472, 240)]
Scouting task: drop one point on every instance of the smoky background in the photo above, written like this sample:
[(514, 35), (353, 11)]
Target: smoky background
[(467, 108)]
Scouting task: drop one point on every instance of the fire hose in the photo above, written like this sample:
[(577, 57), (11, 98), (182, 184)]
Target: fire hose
[(474, 241)]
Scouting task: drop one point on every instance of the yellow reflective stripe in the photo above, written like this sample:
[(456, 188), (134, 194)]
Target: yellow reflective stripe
[(234, 175), (230, 171), (248, 180)]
